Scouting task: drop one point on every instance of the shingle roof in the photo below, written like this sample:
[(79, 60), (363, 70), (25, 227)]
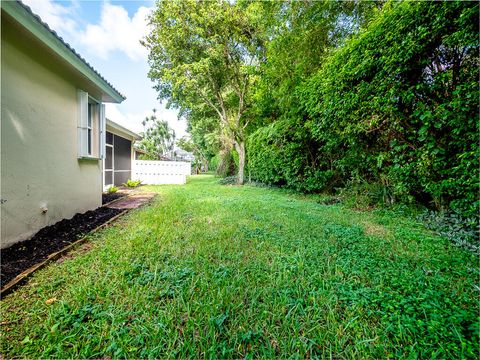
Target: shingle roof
[(67, 45)]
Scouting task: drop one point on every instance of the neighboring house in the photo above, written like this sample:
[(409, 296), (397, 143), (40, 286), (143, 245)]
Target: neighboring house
[(182, 155), (120, 154), (178, 154), (52, 127)]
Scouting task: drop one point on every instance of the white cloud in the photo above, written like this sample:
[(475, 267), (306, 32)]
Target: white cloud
[(130, 121), (55, 15), (117, 31)]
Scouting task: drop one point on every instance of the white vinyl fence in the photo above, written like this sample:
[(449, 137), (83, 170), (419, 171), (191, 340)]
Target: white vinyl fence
[(152, 172)]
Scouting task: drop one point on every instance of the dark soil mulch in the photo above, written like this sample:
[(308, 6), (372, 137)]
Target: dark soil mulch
[(106, 198), (21, 256)]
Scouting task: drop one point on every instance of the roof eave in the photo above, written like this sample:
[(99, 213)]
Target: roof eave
[(24, 16), (123, 129)]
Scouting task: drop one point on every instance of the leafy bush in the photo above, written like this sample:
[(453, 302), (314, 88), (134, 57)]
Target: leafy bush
[(132, 183), (112, 189), (463, 232), (393, 113), (282, 153), (229, 180), (396, 103)]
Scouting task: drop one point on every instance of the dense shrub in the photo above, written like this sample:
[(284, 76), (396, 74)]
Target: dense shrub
[(396, 106), (283, 153)]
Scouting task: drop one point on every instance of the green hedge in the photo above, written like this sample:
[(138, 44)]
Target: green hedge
[(396, 105)]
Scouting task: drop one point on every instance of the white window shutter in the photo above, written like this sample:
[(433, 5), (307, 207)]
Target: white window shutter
[(82, 122), (103, 132)]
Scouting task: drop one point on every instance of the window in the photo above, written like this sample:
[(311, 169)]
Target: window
[(91, 121)]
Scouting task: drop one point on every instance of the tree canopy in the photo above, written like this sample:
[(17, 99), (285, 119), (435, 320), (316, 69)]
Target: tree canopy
[(207, 53), (157, 138), (378, 98)]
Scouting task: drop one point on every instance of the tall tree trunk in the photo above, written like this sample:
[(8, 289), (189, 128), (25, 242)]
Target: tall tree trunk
[(240, 147)]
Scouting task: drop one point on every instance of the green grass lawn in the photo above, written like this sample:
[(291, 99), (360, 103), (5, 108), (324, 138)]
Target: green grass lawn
[(230, 272)]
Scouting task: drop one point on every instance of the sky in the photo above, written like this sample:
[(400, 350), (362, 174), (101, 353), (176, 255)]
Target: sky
[(107, 34)]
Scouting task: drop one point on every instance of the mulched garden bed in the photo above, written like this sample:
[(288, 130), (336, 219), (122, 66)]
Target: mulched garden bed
[(21, 256), (106, 198)]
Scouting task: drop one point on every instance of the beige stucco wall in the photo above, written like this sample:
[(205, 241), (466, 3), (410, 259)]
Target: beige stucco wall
[(39, 165)]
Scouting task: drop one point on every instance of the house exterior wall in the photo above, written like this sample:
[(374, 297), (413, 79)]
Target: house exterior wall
[(39, 165)]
